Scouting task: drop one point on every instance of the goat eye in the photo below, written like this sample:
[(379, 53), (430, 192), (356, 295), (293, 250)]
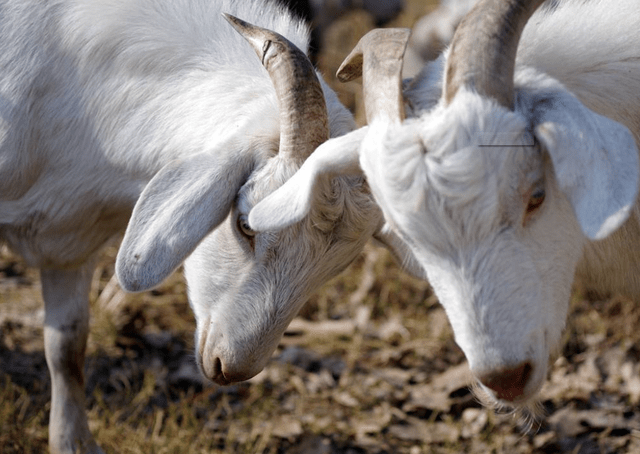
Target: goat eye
[(536, 200), (243, 226)]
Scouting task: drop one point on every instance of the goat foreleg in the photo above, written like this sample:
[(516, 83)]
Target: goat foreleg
[(66, 297)]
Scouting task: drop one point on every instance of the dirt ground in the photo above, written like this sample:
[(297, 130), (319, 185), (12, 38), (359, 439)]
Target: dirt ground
[(369, 366)]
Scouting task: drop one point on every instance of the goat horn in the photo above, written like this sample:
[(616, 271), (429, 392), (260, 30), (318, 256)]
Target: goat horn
[(483, 49), (304, 122), (378, 59)]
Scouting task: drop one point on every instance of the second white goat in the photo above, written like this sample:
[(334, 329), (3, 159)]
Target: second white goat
[(516, 170)]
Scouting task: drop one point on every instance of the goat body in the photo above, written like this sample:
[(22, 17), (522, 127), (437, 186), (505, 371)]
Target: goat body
[(504, 187), (161, 105)]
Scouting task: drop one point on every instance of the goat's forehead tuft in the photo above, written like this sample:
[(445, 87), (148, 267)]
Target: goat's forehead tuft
[(471, 120), (345, 207), (475, 150)]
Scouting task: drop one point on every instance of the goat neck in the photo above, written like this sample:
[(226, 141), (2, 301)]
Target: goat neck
[(483, 50), (304, 122)]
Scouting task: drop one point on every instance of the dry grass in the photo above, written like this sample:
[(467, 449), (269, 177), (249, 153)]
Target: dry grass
[(370, 367)]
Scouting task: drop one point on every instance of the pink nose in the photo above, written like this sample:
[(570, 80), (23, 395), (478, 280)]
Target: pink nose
[(508, 383)]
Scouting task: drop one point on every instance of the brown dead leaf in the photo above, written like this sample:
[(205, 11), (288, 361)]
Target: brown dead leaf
[(346, 399), (474, 420), (563, 383), (569, 422), (299, 326), (425, 397), (417, 430), (436, 395), (393, 330), (630, 373), (287, 427), (453, 378)]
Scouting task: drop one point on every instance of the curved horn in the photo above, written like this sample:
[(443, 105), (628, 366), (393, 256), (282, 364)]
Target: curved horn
[(304, 122), (483, 50), (378, 59)]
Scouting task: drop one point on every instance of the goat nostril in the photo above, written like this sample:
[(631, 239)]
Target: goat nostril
[(509, 383), (218, 374), (212, 369), (217, 367)]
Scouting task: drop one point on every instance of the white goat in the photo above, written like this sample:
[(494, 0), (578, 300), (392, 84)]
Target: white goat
[(160, 104), (517, 171)]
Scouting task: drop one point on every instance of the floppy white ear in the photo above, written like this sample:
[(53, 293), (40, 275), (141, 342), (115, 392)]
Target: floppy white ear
[(181, 204), (595, 161), (292, 201)]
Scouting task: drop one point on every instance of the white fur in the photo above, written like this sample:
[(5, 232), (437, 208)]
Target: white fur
[(105, 100), (454, 181)]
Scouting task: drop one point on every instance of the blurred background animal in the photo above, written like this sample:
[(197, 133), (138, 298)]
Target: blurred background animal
[(320, 14)]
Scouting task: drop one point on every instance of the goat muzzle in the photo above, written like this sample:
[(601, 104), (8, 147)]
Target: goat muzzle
[(508, 384)]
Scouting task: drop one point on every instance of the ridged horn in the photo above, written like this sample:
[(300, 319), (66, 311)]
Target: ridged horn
[(304, 122), (378, 59), (483, 49)]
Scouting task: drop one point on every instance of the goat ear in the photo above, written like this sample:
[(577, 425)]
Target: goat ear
[(595, 161), (292, 201), (182, 203)]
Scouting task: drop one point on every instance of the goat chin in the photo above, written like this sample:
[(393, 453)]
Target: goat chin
[(528, 414)]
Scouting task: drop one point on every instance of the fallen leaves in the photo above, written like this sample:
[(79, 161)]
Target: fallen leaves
[(355, 381)]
